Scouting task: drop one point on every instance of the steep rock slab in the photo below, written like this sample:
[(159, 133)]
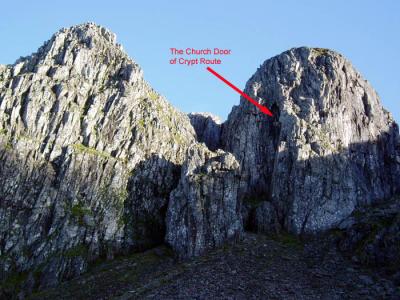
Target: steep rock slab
[(204, 210), (88, 151), (329, 147), (208, 129)]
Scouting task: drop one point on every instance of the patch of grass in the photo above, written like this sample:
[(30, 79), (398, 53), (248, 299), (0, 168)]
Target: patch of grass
[(178, 139), (78, 210), (201, 175), (141, 124), (289, 240), (153, 96), (92, 151), (320, 51)]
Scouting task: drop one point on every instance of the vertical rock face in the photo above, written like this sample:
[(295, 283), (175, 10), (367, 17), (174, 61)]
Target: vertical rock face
[(88, 156), (208, 129), (204, 210), (329, 147)]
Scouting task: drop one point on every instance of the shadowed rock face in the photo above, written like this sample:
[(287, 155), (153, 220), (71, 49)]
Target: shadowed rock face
[(208, 129), (88, 156), (329, 148), (204, 210)]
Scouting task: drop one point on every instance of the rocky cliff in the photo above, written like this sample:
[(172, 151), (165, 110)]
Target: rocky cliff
[(89, 154), (329, 148), (94, 163)]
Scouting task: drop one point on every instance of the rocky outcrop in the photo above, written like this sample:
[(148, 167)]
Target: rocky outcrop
[(89, 153), (204, 210), (208, 129), (329, 148), (371, 236)]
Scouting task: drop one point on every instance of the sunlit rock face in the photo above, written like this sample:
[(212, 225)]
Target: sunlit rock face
[(89, 153), (329, 147)]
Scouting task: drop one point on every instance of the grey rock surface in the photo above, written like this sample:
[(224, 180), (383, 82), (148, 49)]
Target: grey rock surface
[(89, 153), (329, 148), (204, 210), (208, 129), (266, 219)]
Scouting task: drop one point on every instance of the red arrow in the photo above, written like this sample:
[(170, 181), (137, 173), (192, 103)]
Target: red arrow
[(260, 107)]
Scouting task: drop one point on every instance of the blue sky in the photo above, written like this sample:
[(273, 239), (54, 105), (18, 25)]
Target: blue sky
[(366, 32)]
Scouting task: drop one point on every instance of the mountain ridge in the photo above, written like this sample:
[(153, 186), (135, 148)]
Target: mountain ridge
[(96, 164)]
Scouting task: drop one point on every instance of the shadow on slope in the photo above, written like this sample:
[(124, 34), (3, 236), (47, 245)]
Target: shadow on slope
[(59, 217)]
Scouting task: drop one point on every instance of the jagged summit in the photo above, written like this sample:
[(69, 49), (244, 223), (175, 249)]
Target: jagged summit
[(89, 153), (88, 34), (89, 157), (87, 51)]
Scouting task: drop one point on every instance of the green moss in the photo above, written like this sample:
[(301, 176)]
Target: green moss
[(3, 131), (141, 124), (77, 251), (9, 146), (119, 197), (253, 202), (159, 108), (13, 283), (92, 151), (153, 95), (123, 220), (289, 240), (79, 211)]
